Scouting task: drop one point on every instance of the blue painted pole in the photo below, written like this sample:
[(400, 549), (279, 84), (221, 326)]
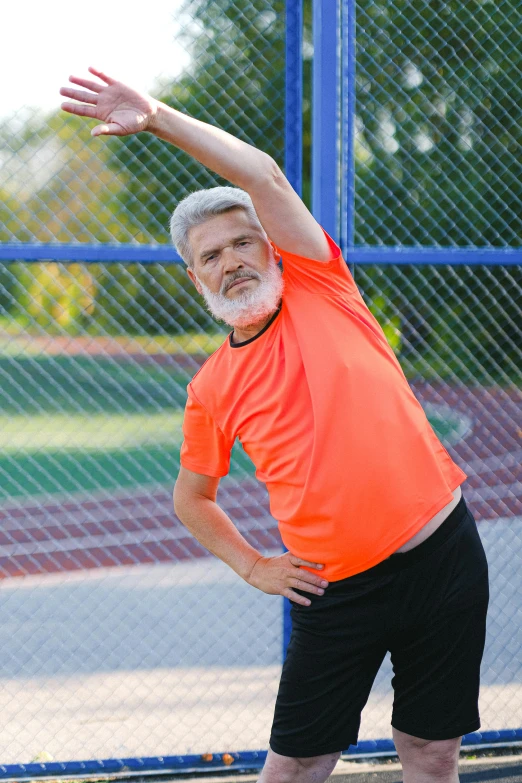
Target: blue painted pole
[(89, 253), (451, 256), (325, 115), (348, 130), (293, 152), (164, 254), (294, 95)]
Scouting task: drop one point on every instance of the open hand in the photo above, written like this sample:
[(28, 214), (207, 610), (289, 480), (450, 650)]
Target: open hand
[(278, 575), (121, 109)]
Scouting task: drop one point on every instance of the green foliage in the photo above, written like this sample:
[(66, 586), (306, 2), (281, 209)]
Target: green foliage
[(440, 118), (235, 81), (440, 111), (150, 299), (437, 162)]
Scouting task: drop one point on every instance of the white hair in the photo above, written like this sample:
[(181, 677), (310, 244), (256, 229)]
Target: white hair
[(201, 205)]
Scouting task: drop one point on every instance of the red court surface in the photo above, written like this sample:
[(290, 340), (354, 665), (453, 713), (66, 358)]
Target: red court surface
[(133, 527)]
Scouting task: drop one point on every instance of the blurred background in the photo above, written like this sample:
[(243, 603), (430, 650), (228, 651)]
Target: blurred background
[(123, 636)]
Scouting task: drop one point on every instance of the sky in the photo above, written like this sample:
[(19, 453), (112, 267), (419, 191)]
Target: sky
[(41, 43)]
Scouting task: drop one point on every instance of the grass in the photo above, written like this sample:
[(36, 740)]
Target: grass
[(15, 339), (87, 424), (82, 424), (99, 432), (48, 453)]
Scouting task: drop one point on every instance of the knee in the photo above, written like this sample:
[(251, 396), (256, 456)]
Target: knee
[(319, 767), (437, 759), (287, 769)]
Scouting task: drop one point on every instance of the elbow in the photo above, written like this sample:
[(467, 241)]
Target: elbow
[(177, 499), (185, 502), (272, 173), (265, 173), (269, 178)]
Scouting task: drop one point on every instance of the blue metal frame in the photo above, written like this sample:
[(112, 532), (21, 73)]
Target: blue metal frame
[(293, 153), (165, 254), (348, 64), (453, 256), (325, 115), (294, 95), (90, 254), (245, 761)]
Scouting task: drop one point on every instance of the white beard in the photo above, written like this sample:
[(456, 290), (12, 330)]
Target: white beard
[(248, 307)]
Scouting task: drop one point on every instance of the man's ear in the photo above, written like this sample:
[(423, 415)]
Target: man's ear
[(194, 279), (275, 251)]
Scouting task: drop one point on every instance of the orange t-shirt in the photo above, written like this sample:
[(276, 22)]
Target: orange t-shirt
[(321, 405)]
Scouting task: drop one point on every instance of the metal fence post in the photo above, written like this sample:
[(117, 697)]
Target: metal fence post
[(348, 63), (293, 151), (325, 115)]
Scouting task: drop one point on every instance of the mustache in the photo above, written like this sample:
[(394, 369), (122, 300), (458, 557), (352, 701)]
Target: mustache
[(239, 276)]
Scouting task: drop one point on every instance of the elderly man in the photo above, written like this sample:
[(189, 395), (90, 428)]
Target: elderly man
[(383, 553)]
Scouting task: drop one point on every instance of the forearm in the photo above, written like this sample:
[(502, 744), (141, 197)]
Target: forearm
[(231, 158), (209, 524)]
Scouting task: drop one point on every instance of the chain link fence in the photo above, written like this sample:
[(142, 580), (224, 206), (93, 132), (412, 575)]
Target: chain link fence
[(439, 123), (125, 638), (438, 129)]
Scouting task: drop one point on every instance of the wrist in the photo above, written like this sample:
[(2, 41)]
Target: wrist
[(157, 116), (250, 567)]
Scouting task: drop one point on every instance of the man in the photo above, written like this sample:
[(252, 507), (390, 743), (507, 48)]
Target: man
[(383, 552)]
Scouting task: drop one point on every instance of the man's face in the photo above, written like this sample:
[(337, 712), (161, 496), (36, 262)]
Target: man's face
[(235, 268)]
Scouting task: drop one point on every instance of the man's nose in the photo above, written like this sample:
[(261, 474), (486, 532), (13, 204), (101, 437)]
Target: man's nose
[(231, 260)]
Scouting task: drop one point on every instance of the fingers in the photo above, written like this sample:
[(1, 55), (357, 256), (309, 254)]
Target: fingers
[(110, 129), (298, 562), (79, 95), (296, 598), (81, 109), (306, 575), (308, 587), (101, 75), (94, 86)]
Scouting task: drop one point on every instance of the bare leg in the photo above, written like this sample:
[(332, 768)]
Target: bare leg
[(428, 761), (286, 769)]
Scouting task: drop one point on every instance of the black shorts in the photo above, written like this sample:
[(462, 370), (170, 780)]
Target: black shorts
[(427, 607)]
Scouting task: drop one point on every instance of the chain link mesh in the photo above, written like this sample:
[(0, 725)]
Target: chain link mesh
[(160, 655), (57, 184), (438, 132), (439, 123), (124, 637)]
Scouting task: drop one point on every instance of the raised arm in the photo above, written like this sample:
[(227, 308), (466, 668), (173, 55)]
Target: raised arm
[(121, 111)]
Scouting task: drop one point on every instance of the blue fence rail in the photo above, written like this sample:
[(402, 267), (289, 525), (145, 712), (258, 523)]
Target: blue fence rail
[(246, 761), (160, 254)]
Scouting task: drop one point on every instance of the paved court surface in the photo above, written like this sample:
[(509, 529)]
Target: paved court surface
[(502, 769), (497, 772), (185, 658)]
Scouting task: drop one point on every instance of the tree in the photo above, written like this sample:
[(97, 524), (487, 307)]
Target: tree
[(439, 112), (236, 81)]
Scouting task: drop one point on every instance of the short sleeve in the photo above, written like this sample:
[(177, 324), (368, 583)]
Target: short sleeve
[(205, 448), (318, 277)]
